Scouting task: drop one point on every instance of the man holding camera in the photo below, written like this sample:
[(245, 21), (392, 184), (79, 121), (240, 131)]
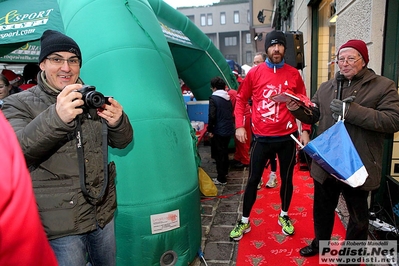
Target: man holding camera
[(64, 142)]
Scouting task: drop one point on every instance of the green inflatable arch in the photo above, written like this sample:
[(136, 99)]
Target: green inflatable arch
[(129, 54), (197, 51)]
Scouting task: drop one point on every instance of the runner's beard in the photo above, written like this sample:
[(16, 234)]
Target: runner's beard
[(276, 60)]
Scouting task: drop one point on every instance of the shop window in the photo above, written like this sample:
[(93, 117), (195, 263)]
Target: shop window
[(326, 55)]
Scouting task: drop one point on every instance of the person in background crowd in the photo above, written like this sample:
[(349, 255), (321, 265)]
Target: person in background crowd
[(260, 58), (183, 86), (30, 75), (272, 124), (241, 154), (272, 182), (23, 240), (5, 87), (233, 94), (240, 159), (238, 77), (14, 80), (19, 82), (62, 140), (220, 127), (371, 111)]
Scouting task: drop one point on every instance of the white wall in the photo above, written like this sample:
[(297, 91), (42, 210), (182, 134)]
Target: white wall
[(362, 19), (301, 21)]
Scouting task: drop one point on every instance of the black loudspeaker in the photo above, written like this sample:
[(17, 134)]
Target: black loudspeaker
[(294, 54)]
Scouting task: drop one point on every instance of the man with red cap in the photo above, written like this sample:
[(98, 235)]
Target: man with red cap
[(371, 111)]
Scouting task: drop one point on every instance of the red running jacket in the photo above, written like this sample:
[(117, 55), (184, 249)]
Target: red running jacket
[(22, 237), (268, 117)]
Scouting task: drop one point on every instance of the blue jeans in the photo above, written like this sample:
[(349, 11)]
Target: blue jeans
[(97, 247)]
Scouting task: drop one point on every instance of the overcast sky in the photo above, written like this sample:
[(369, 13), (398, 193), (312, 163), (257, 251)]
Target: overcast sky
[(180, 3)]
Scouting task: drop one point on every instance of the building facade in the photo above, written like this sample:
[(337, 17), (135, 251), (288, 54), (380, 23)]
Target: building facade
[(227, 24), (238, 29)]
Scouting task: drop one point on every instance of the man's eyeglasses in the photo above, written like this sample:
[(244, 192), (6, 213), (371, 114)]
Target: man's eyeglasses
[(74, 61), (349, 60)]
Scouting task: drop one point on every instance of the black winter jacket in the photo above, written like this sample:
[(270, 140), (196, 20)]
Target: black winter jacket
[(220, 117), (50, 152)]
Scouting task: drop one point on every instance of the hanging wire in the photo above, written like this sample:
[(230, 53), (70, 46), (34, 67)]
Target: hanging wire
[(201, 255)]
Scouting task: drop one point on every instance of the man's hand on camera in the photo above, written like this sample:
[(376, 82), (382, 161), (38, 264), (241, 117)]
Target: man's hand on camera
[(68, 103), (111, 112)]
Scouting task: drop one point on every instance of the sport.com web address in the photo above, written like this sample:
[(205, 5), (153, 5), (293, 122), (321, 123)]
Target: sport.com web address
[(16, 33)]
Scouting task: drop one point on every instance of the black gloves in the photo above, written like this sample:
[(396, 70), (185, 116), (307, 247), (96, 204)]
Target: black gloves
[(336, 106)]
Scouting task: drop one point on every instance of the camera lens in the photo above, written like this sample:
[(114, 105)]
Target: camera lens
[(94, 99)]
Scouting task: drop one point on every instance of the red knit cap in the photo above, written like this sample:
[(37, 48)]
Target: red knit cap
[(360, 46), (10, 75)]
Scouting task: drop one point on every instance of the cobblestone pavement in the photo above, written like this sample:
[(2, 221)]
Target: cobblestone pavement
[(219, 214)]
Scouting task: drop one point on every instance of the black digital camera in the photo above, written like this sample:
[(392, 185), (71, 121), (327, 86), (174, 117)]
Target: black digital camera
[(92, 98)]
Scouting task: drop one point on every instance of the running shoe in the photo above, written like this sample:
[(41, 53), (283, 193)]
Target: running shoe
[(239, 230), (260, 184), (217, 182), (287, 227), (272, 180)]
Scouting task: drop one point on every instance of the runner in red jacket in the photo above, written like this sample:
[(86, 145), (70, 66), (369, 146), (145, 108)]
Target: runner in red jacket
[(271, 124), (22, 238)]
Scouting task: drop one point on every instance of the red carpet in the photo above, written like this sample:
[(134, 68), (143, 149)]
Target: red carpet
[(265, 244)]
